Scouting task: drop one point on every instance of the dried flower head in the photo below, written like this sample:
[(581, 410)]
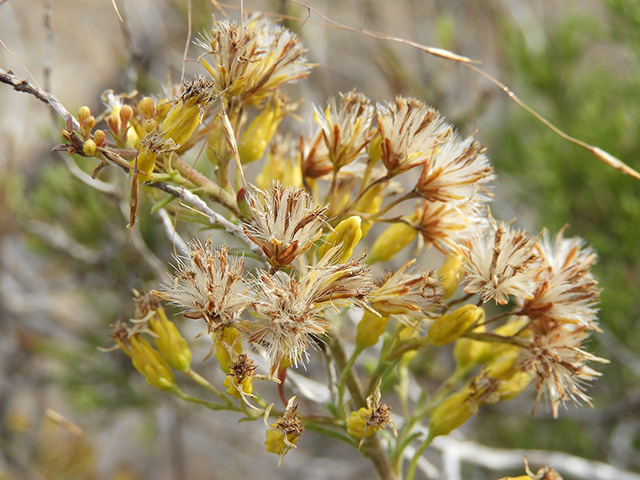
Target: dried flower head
[(289, 312), (500, 263), (410, 132), (285, 432), (558, 363), (413, 294), (345, 127), (457, 170), (208, 285), (284, 223), (253, 59), (446, 225), (567, 291), (375, 417)]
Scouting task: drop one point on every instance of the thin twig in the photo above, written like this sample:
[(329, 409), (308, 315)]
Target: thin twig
[(438, 52), (214, 217), (19, 85), (172, 235)]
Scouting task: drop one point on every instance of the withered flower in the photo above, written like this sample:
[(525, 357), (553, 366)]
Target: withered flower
[(345, 127), (412, 294), (207, 285), (446, 225), (284, 223), (253, 59), (566, 289), (559, 364), (289, 312), (410, 133), (457, 170), (500, 263)]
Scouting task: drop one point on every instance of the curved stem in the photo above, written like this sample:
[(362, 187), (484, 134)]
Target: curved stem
[(416, 457)]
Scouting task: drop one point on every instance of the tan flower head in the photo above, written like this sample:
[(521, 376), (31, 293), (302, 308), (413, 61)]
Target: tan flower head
[(345, 127), (413, 294), (284, 223), (457, 170), (253, 59), (567, 291), (207, 285), (410, 133), (289, 312), (446, 225), (559, 364), (500, 263), (286, 319)]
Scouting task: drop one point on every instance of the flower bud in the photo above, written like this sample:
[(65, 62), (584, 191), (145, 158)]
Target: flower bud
[(169, 342), (84, 112), (369, 329), (99, 137), (347, 234), (453, 412), (162, 108), (468, 352), (257, 136), (449, 327), (151, 364), (89, 148), (146, 107), (450, 273), (126, 112), (390, 242), (114, 124)]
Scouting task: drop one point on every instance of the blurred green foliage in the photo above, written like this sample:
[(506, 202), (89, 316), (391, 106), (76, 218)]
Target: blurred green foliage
[(585, 79)]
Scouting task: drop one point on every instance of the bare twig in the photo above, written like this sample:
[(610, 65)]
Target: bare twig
[(214, 217), (438, 52), (172, 235), (7, 76)]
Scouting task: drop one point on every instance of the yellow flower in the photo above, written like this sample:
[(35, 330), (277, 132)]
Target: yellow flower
[(256, 137), (450, 273), (369, 329)]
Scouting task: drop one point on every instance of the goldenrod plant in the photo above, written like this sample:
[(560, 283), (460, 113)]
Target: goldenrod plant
[(304, 257)]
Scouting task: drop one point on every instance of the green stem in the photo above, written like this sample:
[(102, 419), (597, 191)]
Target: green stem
[(200, 380), (375, 216), (351, 380), (416, 457), (344, 377), (183, 396)]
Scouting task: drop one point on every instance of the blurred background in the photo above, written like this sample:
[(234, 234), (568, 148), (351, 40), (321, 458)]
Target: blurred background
[(68, 264)]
